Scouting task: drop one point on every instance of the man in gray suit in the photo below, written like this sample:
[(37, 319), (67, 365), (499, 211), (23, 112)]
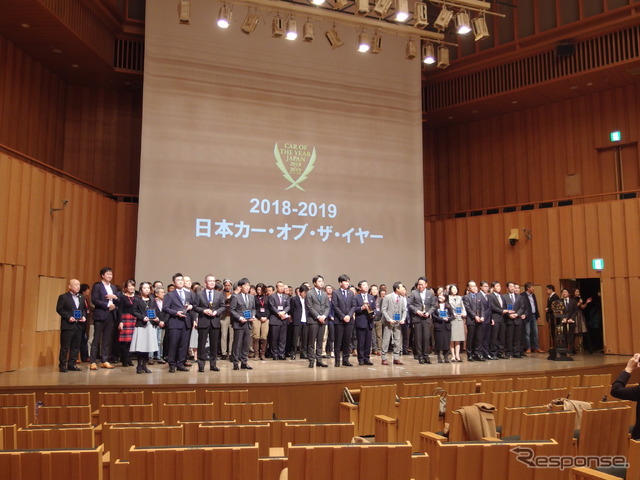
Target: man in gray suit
[(422, 304), (318, 306), (394, 314), (243, 312)]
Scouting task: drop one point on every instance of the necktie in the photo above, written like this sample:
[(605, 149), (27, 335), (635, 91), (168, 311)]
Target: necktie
[(566, 302), (246, 301), (344, 294), (280, 298), (512, 299), (319, 295), (210, 294), (181, 295)]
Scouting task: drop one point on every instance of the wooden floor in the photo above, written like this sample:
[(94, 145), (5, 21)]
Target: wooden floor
[(296, 390)]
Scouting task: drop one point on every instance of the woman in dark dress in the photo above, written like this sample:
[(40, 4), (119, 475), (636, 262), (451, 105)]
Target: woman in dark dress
[(442, 328), (145, 339), (127, 321)]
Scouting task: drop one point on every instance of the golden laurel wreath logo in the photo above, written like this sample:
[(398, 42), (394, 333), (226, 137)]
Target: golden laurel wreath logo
[(286, 173)]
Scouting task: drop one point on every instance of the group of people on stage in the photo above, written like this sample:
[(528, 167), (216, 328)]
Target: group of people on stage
[(240, 321)]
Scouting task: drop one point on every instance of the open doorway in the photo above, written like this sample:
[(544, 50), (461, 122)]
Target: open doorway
[(590, 293)]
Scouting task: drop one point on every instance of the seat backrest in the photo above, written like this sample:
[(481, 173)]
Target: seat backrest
[(529, 383), (190, 429), (565, 381), (17, 415), (49, 438), (415, 415), (247, 411), (496, 385), (277, 429), (454, 402), (120, 398), (317, 433), (548, 425), (544, 395), (460, 387), (72, 414), (604, 431), (125, 413), (20, 400), (122, 438), (172, 413), (374, 400), (501, 400), (417, 389), (236, 435), (66, 399), (52, 464), (512, 419), (220, 397), (599, 379), (375, 461), (593, 394), (160, 398)]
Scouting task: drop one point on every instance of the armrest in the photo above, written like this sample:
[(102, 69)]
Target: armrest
[(385, 429)]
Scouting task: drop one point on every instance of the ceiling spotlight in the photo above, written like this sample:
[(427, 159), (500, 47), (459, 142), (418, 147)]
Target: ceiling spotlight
[(463, 25), (363, 42), (428, 54), (224, 16), (184, 11), (411, 50), (402, 10), (307, 32), (480, 29), (443, 57), (317, 2), (250, 22), (420, 14), (362, 7), (292, 29), (277, 27), (333, 38), (338, 4), (382, 7), (444, 17), (376, 43)]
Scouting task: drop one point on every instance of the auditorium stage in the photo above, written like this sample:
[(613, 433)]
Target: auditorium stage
[(296, 390)]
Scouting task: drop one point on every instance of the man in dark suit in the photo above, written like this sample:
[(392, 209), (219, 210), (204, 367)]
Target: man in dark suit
[(279, 307), (552, 296), (513, 322), (298, 321), (243, 312), (317, 305), (73, 317), (105, 301), (471, 302), (498, 312), (421, 304), (365, 311), (570, 310), (210, 306), (343, 308), (178, 304), (531, 316), (483, 330)]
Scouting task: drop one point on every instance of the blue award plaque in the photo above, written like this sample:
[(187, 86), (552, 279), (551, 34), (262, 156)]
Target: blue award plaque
[(509, 306), (396, 317), (151, 314), (247, 314), (77, 314), (443, 313), (458, 310)]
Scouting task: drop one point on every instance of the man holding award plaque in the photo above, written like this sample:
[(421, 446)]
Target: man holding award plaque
[(422, 304), (394, 314), (178, 305), (210, 306), (73, 317), (243, 312)]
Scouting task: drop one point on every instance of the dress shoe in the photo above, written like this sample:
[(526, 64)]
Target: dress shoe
[(146, 370), (172, 369), (336, 364), (492, 357), (93, 366), (440, 359), (320, 364), (150, 362), (63, 369), (421, 361), (480, 358), (539, 350), (360, 362), (368, 362), (471, 358), (446, 359), (182, 369), (528, 350), (311, 364), (187, 364), (138, 370), (246, 366), (161, 361), (223, 357), (107, 365), (398, 362), (236, 367), (347, 363), (517, 355), (214, 369), (303, 356), (293, 357), (74, 368), (427, 360), (384, 362), (201, 369)]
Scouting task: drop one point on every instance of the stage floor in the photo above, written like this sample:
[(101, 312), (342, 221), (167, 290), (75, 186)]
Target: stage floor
[(290, 372)]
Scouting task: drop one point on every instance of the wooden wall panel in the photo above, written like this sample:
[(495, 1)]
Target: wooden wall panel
[(564, 241), (475, 162), (91, 133), (75, 242)]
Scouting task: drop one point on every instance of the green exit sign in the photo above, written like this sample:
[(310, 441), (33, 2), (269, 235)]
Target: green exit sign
[(597, 263), (615, 136)]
